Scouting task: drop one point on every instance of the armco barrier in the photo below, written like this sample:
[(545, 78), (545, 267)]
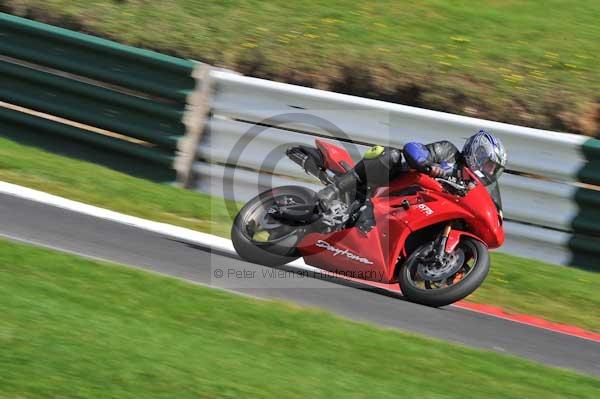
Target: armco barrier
[(551, 214), (137, 98), (96, 58), (14, 121), (226, 133), (371, 121)]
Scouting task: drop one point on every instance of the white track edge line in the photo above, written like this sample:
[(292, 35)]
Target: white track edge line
[(193, 236)]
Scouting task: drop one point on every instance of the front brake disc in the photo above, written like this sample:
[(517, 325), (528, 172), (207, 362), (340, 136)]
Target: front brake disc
[(435, 271)]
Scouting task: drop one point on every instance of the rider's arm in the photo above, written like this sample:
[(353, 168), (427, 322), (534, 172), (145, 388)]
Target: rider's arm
[(436, 159), (419, 157), (446, 156)]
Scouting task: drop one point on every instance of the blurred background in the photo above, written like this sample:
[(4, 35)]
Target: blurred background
[(532, 63)]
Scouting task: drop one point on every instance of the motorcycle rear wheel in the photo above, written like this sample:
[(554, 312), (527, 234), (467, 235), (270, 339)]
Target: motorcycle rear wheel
[(448, 289), (259, 238)]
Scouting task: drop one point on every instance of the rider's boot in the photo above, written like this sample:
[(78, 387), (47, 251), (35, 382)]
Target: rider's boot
[(337, 201), (366, 218), (376, 169)]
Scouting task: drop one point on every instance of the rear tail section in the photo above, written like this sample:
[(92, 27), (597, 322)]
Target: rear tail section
[(335, 158)]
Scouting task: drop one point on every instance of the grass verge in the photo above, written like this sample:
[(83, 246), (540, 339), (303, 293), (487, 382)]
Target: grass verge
[(519, 285), (72, 327), (526, 62), (100, 186)]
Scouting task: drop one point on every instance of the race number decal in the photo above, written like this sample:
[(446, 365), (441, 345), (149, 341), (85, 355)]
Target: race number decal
[(425, 209)]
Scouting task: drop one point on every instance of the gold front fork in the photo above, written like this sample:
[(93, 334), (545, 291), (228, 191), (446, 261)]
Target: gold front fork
[(441, 249), (447, 230)]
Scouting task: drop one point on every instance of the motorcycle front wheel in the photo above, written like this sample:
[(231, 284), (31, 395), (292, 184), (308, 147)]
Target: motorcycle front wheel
[(259, 238), (459, 275)]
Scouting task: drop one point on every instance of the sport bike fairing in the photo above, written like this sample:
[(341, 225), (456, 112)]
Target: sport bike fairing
[(374, 256), (429, 236)]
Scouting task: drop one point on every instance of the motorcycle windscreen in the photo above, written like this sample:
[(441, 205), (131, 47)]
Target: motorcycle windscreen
[(494, 190)]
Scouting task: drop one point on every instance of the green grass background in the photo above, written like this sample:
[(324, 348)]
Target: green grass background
[(532, 62), (82, 329)]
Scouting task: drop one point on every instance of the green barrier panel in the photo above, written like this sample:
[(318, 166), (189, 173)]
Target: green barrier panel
[(76, 149), (14, 121), (106, 109), (586, 225), (586, 248), (586, 252), (591, 171), (96, 58), (588, 217), (591, 149), (168, 112)]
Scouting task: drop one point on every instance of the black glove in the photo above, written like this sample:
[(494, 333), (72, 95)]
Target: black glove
[(437, 171)]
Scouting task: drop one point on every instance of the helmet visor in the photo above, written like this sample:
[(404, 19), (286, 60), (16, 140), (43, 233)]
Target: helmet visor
[(492, 170), (485, 166)]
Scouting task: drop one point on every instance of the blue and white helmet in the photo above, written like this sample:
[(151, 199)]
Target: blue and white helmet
[(485, 155)]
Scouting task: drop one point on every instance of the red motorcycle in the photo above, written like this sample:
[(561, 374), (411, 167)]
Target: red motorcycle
[(431, 235)]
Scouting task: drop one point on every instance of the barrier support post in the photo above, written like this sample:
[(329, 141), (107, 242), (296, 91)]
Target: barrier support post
[(195, 120)]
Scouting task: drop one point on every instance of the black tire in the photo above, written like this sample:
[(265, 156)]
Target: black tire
[(453, 293), (273, 253)]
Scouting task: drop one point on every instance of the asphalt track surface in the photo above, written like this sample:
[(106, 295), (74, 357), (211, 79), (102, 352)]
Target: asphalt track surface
[(40, 224)]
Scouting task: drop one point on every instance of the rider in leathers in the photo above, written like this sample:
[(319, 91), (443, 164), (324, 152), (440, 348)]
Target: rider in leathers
[(380, 165)]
